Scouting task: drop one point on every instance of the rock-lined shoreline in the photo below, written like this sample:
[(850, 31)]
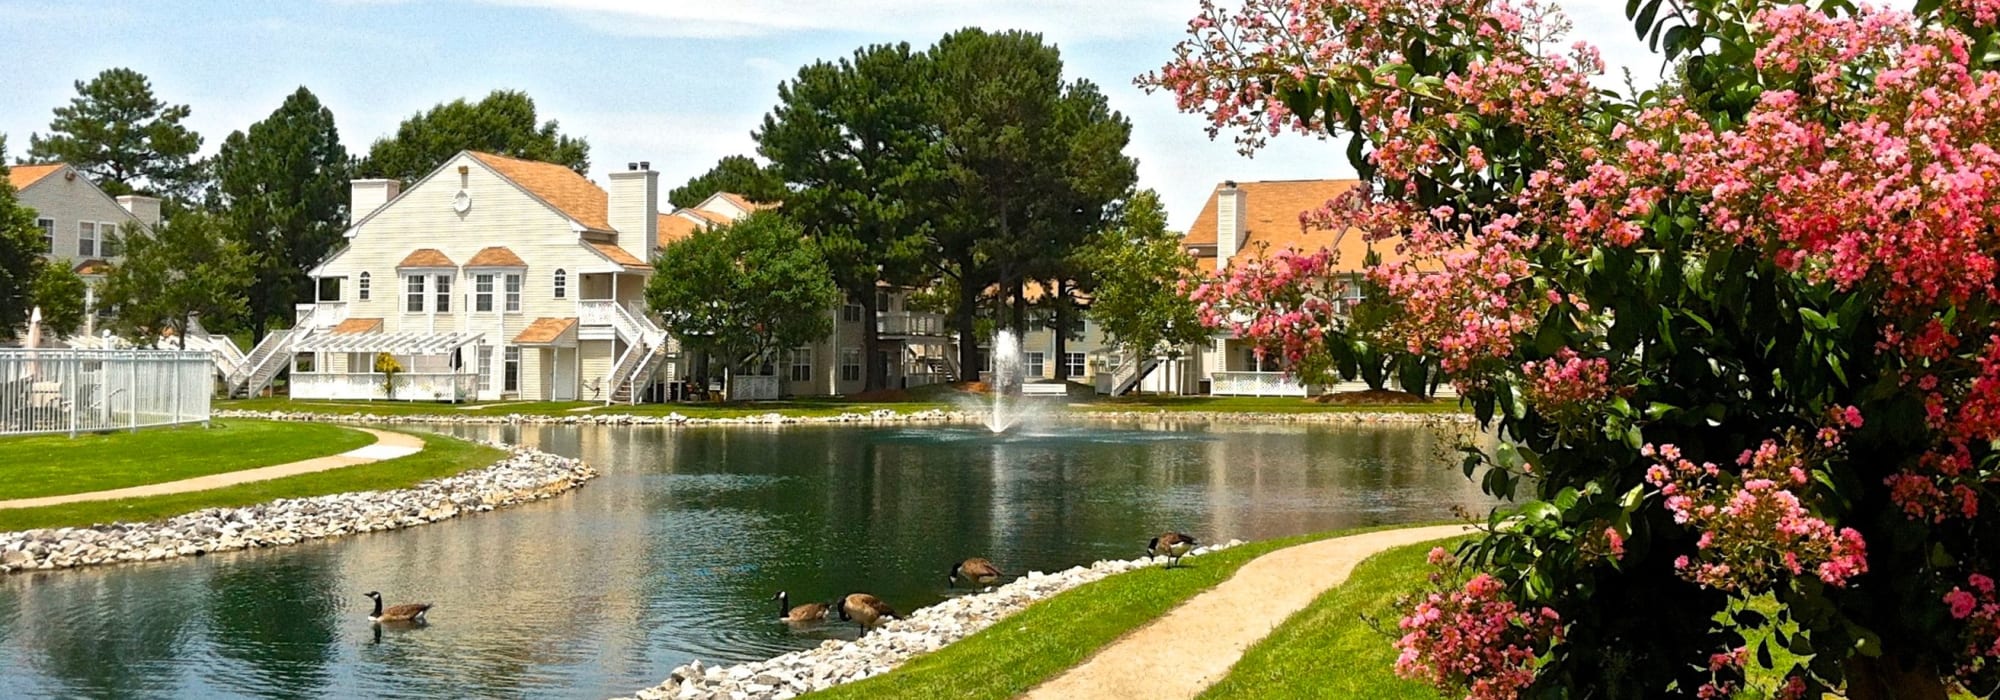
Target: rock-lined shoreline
[(835, 661), (523, 475), (876, 417)]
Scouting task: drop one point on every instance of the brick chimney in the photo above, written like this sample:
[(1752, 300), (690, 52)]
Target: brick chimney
[(1229, 223), (635, 209), (145, 209), (366, 196)]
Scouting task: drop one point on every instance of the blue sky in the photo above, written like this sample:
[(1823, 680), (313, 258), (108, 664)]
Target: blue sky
[(680, 83)]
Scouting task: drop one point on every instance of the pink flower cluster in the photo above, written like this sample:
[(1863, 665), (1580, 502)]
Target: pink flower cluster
[(1754, 527), (1286, 303), (1980, 610), (1567, 387), (1473, 638)]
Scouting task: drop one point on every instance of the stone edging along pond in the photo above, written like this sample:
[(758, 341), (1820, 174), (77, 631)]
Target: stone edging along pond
[(837, 661), (876, 417), (523, 475)]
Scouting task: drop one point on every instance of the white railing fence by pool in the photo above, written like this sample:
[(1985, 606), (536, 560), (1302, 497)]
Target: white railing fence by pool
[(83, 391)]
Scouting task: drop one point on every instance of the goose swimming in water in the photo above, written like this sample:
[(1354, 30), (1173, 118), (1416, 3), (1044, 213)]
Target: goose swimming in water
[(409, 612), (975, 570), (809, 612), (1173, 545)]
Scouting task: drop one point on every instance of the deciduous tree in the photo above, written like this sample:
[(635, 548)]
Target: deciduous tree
[(20, 254), (1138, 271), (284, 183), (59, 293), (504, 123), (126, 139), (745, 291), (187, 268)]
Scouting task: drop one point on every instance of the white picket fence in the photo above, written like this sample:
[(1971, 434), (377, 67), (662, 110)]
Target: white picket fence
[(85, 391)]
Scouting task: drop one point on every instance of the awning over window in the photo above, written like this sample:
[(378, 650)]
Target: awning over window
[(411, 343)]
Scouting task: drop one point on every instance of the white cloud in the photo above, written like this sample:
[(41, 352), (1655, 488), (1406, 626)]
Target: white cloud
[(754, 18)]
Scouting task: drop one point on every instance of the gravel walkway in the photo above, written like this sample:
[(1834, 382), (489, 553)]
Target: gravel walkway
[(1193, 646), (387, 445)]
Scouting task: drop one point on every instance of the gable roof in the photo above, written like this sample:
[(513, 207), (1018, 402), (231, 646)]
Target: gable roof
[(709, 216), (558, 186), (426, 257), (21, 176), (674, 229), (91, 267), (1271, 224), (358, 325), (618, 255), (495, 256)]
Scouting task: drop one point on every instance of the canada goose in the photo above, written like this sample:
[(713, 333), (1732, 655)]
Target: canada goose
[(810, 612), (976, 570), (1172, 544), (866, 609), (412, 612)]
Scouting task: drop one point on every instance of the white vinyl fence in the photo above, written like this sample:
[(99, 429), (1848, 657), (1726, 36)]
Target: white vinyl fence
[(83, 391)]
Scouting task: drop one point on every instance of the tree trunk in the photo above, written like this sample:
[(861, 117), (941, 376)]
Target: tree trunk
[(966, 317), (1018, 312), (1062, 330), (871, 339), (1891, 678)]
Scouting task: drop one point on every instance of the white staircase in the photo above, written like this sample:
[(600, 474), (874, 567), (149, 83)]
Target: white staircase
[(647, 346), (1130, 372), (271, 356)]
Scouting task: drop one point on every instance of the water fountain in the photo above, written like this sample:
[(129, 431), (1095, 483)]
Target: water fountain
[(1005, 381)]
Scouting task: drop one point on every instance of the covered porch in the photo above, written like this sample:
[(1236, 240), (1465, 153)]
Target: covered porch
[(430, 367)]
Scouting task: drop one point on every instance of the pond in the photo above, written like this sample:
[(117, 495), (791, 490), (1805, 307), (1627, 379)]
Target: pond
[(675, 552)]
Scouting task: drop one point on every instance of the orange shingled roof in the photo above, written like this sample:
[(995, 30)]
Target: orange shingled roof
[(745, 204), (92, 266), (359, 325), (674, 229), (21, 176), (617, 255), (710, 217), (544, 331), (570, 193), (426, 257), (495, 256), (1271, 224)]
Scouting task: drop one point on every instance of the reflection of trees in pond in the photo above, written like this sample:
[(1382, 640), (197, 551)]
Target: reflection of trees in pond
[(278, 616), (114, 634)]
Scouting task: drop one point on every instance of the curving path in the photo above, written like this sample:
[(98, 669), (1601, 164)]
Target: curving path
[(1193, 646), (387, 445)]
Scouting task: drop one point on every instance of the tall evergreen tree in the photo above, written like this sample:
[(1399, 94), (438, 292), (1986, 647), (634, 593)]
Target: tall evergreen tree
[(20, 254), (734, 174), (503, 123), (126, 139), (284, 184), (854, 141), (185, 268)]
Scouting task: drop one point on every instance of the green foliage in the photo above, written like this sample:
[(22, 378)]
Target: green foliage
[(733, 174), (285, 185), (1137, 267), (504, 123), (744, 291), (59, 293), (123, 137), (20, 254), (186, 268)]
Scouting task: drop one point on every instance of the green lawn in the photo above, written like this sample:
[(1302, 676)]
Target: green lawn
[(1050, 636), (442, 456), (1327, 650), (52, 465)]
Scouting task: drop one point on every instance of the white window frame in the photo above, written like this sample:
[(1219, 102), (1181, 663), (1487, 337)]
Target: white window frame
[(482, 293), (88, 238), (851, 313), (107, 238), (441, 296), (561, 284), (1034, 363), (415, 292), (48, 227), (1076, 362), (484, 365), (361, 283), (510, 365), (850, 364), (801, 365), (511, 287)]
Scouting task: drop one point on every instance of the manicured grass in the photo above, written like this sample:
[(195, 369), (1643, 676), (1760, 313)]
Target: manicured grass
[(1053, 635), (1257, 404), (1328, 650), (442, 456), (52, 465)]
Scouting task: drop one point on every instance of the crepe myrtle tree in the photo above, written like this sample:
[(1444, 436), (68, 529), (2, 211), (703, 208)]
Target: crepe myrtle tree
[(1738, 328)]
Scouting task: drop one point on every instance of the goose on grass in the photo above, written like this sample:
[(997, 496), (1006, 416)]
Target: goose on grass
[(1172, 545)]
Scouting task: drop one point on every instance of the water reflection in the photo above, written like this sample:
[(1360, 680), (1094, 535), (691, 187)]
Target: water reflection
[(675, 552)]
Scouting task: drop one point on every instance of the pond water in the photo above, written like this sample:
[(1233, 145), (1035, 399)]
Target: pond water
[(675, 552)]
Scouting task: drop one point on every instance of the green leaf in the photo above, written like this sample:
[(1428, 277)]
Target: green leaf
[(1657, 410), (1644, 22)]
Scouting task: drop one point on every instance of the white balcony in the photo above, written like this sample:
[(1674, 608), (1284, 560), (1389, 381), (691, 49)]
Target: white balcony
[(325, 314), (910, 323)]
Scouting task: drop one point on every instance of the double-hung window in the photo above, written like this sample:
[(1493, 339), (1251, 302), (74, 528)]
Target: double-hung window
[(802, 365), (850, 364), (1073, 364), (1037, 363), (48, 227), (482, 293), (413, 287), (851, 313), (443, 294), (108, 244), (86, 239), (513, 290)]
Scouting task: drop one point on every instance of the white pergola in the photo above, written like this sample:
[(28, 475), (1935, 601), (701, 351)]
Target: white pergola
[(407, 343)]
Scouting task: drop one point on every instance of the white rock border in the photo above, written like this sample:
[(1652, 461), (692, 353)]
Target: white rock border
[(881, 416), (836, 661), (523, 475)]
